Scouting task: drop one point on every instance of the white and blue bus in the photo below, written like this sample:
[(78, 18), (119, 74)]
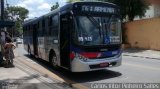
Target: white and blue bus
[(80, 37)]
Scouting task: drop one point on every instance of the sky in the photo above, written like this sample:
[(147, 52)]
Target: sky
[(40, 7), (36, 7)]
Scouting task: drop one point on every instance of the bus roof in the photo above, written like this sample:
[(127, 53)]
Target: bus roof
[(68, 6)]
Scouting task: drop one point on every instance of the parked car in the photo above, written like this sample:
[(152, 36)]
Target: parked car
[(19, 41), (14, 39)]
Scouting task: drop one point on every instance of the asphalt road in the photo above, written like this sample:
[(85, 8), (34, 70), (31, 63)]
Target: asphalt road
[(132, 70)]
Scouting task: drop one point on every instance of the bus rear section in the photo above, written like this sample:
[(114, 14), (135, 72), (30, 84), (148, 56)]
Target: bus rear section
[(94, 37)]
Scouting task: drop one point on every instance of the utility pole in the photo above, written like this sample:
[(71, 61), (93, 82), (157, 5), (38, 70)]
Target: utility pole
[(2, 10), (2, 19)]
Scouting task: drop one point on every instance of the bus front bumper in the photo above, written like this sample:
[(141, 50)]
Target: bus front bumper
[(78, 65)]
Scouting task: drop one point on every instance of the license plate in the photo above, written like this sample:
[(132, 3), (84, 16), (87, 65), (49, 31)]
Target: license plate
[(104, 64)]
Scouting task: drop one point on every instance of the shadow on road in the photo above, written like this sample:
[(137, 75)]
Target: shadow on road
[(78, 77), (133, 50), (21, 80), (25, 83)]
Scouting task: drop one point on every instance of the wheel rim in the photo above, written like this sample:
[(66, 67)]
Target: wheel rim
[(54, 59), (29, 51)]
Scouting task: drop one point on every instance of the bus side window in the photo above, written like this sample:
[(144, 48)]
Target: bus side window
[(55, 26), (50, 21), (26, 30), (50, 25), (55, 20), (29, 28), (43, 27), (40, 30), (46, 30), (39, 27)]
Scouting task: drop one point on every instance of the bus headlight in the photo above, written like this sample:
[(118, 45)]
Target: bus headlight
[(82, 58)]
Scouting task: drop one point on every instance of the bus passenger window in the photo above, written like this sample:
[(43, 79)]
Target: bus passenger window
[(55, 27), (43, 24), (55, 20), (40, 29), (38, 25), (50, 21)]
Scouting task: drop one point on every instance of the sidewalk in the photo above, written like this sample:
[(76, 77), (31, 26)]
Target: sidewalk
[(16, 75), (150, 54), (24, 77), (15, 78)]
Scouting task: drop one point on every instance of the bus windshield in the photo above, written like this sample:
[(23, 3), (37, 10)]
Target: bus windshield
[(97, 30)]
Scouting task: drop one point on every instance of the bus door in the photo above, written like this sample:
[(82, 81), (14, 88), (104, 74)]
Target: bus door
[(35, 41), (65, 40)]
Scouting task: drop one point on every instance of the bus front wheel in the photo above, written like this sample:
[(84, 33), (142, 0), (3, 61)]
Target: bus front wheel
[(53, 59), (29, 52)]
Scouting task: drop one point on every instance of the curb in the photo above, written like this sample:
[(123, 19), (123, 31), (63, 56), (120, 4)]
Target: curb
[(73, 84), (142, 57)]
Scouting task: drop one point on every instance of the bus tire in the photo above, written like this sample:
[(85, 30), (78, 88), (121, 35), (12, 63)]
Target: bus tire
[(29, 52), (53, 59)]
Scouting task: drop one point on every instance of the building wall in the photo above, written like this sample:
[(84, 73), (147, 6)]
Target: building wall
[(144, 33)]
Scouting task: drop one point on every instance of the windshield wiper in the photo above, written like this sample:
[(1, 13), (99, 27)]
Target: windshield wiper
[(95, 23)]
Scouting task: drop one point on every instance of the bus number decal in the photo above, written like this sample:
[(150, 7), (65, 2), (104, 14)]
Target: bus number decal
[(85, 39)]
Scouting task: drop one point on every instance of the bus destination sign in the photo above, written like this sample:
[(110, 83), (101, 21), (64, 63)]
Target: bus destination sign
[(100, 9)]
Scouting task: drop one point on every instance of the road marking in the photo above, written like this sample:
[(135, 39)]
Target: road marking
[(142, 66)]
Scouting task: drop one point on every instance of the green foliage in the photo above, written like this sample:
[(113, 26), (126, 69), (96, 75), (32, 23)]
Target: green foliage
[(55, 6), (17, 14), (18, 26)]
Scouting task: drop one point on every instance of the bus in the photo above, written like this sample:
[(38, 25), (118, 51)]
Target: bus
[(80, 36)]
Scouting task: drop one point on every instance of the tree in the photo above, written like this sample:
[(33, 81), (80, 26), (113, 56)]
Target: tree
[(130, 8), (17, 14), (55, 6)]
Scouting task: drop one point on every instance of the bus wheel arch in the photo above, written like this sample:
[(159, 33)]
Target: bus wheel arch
[(53, 58)]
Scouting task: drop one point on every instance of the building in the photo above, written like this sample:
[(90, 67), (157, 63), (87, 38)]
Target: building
[(152, 12), (144, 32), (155, 2), (156, 11)]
